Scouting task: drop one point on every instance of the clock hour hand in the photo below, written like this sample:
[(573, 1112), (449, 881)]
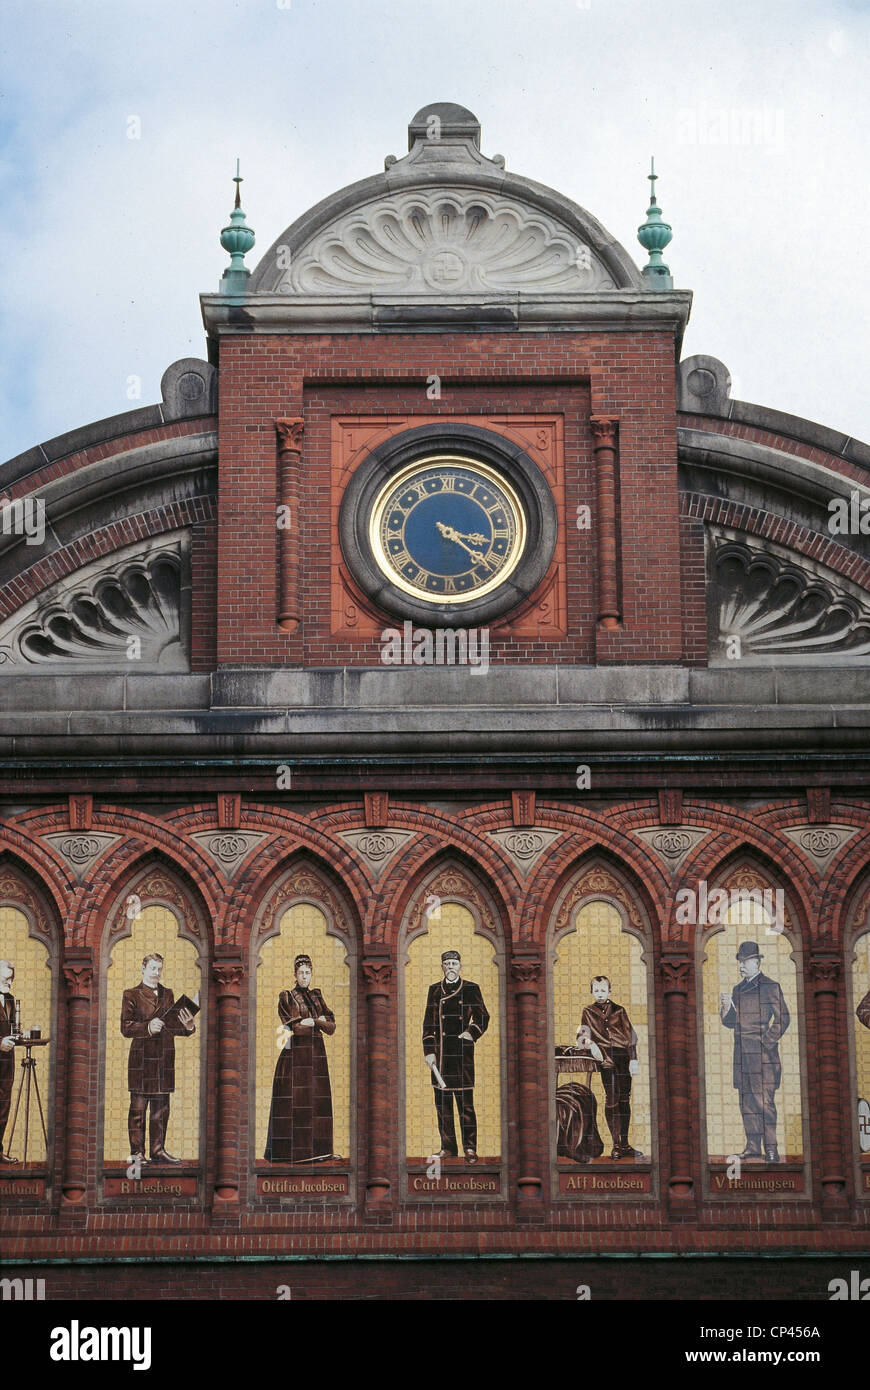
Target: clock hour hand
[(452, 534)]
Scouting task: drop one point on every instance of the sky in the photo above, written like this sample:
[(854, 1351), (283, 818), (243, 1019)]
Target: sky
[(121, 120)]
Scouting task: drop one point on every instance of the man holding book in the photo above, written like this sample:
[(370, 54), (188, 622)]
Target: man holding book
[(151, 1017)]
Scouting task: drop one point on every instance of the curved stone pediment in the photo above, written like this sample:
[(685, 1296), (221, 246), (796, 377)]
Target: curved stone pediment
[(438, 242), (445, 220)]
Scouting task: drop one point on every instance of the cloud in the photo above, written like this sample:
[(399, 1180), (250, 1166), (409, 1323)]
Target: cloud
[(107, 241)]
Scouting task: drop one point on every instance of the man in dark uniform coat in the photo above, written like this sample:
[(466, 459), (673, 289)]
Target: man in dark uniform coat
[(757, 1011), (7, 1049), (455, 1018), (151, 1064), (608, 1026)]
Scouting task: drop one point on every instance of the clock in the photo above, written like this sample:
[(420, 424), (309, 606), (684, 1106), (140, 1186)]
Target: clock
[(447, 524), (447, 528)]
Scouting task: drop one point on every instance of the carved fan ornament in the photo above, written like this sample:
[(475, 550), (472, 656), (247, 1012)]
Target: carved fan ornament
[(303, 884), (594, 883), (437, 243), (14, 890), (155, 889), (778, 609), (120, 612)]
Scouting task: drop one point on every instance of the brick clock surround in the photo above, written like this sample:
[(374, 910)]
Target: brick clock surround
[(205, 754)]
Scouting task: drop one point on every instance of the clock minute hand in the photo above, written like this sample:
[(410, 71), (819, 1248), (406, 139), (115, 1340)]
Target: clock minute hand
[(453, 535)]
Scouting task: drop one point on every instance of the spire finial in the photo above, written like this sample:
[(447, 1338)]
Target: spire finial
[(654, 235), (237, 238)]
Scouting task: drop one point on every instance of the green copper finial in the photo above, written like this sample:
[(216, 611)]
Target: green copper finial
[(654, 235), (237, 238)]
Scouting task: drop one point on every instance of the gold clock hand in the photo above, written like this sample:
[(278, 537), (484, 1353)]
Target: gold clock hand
[(460, 537), (453, 535)]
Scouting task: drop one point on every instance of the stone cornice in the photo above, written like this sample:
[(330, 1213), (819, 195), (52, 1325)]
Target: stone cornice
[(624, 310)]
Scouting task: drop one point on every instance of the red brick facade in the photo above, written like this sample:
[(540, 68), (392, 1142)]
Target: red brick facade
[(688, 785)]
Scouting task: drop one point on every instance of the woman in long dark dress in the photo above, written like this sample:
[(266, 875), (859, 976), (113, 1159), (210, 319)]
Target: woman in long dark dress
[(300, 1120)]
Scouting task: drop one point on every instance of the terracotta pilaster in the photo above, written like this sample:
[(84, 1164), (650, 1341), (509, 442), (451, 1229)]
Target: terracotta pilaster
[(526, 976), (78, 974), (289, 454), (824, 971), (228, 974), (378, 979), (604, 433), (676, 974)]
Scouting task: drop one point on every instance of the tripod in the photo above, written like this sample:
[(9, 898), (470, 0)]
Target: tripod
[(28, 1077)]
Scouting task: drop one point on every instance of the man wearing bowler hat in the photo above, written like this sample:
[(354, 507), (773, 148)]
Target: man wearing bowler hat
[(757, 1011), (455, 1018)]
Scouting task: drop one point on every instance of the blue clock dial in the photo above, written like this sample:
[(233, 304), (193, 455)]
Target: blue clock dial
[(448, 529)]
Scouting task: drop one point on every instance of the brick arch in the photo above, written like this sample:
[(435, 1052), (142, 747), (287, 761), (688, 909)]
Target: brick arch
[(855, 919), (722, 866), (597, 876), (842, 885), (21, 887), (627, 860), (409, 874), (119, 883), (40, 865), (101, 543), (144, 836), (823, 548), (300, 876), (265, 865), (154, 877)]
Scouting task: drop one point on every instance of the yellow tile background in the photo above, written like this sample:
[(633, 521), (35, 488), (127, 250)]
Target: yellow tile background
[(747, 921), (455, 929), (599, 946), (32, 985), (303, 931), (156, 929), (860, 986)]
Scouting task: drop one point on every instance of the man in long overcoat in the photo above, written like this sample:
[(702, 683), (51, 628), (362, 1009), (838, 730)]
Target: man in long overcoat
[(455, 1018), (151, 1064), (757, 1011)]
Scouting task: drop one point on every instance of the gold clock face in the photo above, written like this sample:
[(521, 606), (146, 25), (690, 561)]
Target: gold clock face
[(447, 529)]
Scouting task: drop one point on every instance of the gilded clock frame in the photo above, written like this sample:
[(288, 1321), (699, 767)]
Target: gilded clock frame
[(430, 461)]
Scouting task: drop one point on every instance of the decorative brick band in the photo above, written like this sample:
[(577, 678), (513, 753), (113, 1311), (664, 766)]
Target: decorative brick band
[(104, 541), (813, 544)]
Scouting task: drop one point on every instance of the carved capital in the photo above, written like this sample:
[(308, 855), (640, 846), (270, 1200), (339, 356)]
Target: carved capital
[(290, 435), (378, 975), (824, 973), (228, 976), (676, 973), (79, 976), (604, 430), (526, 974)]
